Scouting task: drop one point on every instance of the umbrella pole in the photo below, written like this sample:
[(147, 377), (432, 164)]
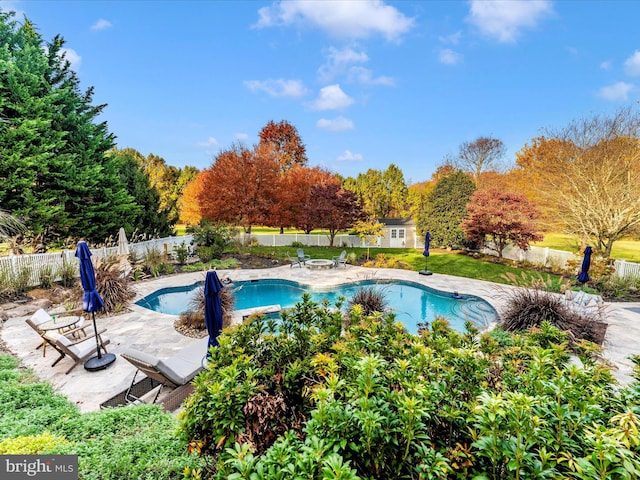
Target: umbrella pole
[(426, 270), (95, 330), (100, 361)]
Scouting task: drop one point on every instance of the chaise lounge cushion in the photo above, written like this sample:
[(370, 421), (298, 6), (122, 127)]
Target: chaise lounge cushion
[(179, 369)]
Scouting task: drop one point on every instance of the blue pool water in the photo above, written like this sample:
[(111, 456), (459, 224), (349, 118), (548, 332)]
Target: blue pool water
[(411, 302)]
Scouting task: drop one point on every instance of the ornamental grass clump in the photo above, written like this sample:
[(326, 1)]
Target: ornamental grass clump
[(112, 284), (526, 308), (193, 317), (370, 299)]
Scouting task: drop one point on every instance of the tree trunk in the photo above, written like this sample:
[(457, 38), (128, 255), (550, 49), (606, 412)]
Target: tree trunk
[(332, 236)]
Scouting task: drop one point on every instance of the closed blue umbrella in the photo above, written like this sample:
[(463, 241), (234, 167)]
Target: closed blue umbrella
[(425, 252), (212, 307), (427, 243), (586, 263), (92, 302)]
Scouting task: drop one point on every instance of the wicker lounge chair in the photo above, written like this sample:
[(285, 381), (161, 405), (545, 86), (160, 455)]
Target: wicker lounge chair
[(172, 372)]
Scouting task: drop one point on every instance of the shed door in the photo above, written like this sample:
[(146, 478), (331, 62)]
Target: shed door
[(397, 239)]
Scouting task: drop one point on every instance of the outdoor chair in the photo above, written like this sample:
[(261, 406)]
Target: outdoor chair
[(171, 372), (302, 258), (586, 303), (340, 259), (41, 316), (77, 349), (294, 261)]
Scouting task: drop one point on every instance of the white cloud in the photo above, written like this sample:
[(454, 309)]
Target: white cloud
[(101, 24), (72, 57), (338, 61), (278, 87), (338, 124), (348, 156), (449, 57), (632, 64), (359, 19), (331, 98), (617, 92), (243, 137), (365, 76), (452, 39), (209, 142), (11, 6), (606, 65), (504, 19)]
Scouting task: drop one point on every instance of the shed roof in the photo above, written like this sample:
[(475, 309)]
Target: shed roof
[(396, 222)]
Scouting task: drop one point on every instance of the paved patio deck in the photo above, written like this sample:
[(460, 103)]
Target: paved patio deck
[(154, 333)]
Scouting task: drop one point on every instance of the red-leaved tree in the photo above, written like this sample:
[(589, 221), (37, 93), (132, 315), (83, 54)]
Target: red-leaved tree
[(294, 190), (286, 141), (501, 218), (240, 187), (333, 208)]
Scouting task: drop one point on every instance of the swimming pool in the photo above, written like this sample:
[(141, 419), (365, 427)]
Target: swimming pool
[(412, 303)]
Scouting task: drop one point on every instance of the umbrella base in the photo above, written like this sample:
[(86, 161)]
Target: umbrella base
[(99, 363), (425, 272)]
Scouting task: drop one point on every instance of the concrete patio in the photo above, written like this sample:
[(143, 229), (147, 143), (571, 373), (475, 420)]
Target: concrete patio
[(154, 332)]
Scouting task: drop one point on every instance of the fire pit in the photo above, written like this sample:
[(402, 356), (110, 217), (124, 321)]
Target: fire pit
[(319, 264)]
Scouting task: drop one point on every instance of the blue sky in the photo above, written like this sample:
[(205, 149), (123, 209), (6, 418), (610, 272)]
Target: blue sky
[(366, 83)]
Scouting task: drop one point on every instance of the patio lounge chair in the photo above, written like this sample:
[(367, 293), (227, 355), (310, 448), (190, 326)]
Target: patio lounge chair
[(41, 316), (172, 372), (76, 349), (340, 260), (302, 258)]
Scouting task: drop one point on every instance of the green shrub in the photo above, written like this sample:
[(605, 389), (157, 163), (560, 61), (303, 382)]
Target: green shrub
[(21, 280), (182, 252), (153, 262), (315, 397), (33, 445), (208, 253), (46, 276), (126, 442), (68, 274)]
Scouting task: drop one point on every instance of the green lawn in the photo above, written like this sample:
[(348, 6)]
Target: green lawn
[(627, 249), (450, 263)]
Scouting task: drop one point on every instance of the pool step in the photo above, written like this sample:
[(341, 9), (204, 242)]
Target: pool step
[(476, 311)]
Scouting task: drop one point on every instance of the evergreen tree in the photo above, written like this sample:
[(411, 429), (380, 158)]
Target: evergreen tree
[(446, 209), (53, 170)]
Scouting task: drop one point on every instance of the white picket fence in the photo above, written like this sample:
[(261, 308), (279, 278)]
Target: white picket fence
[(14, 264), (558, 259)]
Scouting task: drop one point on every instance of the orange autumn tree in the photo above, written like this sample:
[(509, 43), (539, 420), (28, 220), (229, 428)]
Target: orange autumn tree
[(588, 173), (293, 194), (240, 187), (286, 142), (189, 204)]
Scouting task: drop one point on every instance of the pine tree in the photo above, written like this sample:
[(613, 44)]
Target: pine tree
[(53, 169)]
